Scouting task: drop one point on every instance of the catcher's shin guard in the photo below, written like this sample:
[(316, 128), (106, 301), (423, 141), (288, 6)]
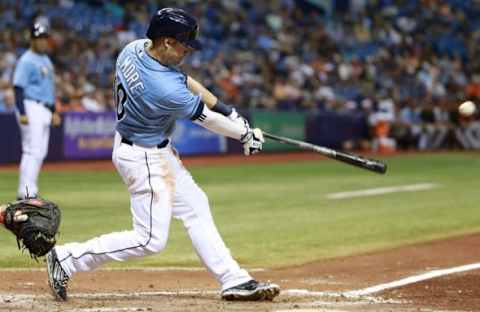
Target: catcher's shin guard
[(57, 278), (251, 291)]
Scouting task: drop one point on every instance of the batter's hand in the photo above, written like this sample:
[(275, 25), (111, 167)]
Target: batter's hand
[(23, 120), (253, 141), (56, 119)]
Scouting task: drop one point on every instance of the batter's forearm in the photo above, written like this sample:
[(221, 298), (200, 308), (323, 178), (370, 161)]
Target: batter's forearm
[(207, 97), (220, 124)]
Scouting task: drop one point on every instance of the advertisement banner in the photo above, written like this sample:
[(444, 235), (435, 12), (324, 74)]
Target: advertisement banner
[(88, 135), (333, 129), (192, 139), (10, 142), (288, 124)]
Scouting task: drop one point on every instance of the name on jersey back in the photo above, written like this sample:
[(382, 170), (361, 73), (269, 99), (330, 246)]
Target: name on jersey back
[(130, 73)]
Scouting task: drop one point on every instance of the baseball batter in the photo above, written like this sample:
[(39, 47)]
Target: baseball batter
[(34, 85), (151, 94)]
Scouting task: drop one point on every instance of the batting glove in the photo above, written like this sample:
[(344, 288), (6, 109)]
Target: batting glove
[(252, 141), (238, 119)]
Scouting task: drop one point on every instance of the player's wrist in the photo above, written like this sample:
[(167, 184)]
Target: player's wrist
[(223, 109)]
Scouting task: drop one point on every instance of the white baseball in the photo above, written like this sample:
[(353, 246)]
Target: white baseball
[(467, 108)]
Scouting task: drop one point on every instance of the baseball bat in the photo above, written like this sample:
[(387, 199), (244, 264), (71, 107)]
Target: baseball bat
[(351, 159)]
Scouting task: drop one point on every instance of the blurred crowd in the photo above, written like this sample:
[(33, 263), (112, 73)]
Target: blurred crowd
[(405, 64)]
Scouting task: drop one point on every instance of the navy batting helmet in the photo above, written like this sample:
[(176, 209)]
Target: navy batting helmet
[(39, 30), (175, 23)]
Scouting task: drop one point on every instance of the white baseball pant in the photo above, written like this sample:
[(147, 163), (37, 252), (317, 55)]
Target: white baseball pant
[(160, 186), (35, 137)]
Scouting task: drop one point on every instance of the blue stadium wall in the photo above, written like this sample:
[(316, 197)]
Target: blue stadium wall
[(90, 135)]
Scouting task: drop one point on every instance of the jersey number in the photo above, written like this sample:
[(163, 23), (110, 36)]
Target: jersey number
[(120, 99)]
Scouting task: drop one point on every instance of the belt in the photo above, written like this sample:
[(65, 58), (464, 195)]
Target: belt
[(40, 102), (46, 104), (161, 145)]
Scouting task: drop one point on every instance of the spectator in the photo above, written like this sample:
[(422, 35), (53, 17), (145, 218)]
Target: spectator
[(414, 50), (468, 131), (94, 101)]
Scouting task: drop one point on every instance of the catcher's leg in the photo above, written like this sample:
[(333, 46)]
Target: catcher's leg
[(191, 206), (148, 177)]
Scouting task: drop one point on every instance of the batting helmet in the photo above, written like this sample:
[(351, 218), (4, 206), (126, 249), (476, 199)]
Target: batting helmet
[(39, 30), (175, 23)]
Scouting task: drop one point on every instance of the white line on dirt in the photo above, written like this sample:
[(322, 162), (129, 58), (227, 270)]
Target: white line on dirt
[(309, 310), (357, 294), (105, 310), (113, 295), (185, 292), (331, 294), (411, 280), (309, 293), (384, 190)]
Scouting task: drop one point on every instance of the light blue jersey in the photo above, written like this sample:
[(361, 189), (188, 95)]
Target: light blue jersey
[(34, 73), (150, 97)]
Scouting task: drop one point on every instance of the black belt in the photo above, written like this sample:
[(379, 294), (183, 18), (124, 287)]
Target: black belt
[(161, 145), (46, 104)]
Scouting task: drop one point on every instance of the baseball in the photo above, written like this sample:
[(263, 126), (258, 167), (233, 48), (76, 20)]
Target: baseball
[(467, 108)]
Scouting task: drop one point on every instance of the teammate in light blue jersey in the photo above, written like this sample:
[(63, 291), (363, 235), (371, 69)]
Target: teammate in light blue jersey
[(34, 85), (34, 73), (151, 94)]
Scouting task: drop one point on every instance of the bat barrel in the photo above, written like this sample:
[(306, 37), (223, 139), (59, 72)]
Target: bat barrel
[(369, 164), (358, 161)]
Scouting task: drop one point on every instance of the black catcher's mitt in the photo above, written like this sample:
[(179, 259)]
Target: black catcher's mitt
[(37, 233)]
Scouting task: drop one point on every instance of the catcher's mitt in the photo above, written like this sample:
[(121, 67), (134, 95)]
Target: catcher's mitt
[(37, 233)]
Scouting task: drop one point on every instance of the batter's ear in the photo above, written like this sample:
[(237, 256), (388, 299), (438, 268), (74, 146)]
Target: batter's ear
[(169, 42), (159, 42)]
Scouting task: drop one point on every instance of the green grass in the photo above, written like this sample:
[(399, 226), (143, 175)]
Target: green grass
[(276, 215)]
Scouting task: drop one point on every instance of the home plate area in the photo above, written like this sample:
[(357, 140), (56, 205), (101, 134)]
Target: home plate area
[(426, 277)]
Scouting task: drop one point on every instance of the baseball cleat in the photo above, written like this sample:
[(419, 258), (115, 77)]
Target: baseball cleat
[(57, 278), (251, 291)]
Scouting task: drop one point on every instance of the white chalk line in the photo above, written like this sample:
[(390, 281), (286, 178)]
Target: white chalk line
[(185, 292), (411, 280), (332, 294), (384, 190), (362, 295), (132, 309)]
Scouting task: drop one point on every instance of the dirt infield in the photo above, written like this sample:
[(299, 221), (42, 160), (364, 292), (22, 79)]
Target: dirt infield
[(325, 285), (318, 286)]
